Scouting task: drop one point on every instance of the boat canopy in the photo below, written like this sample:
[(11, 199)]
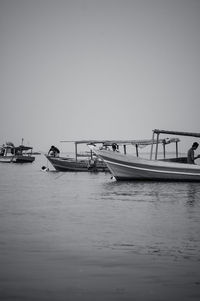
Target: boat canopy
[(167, 132), (178, 133), (23, 148), (124, 142)]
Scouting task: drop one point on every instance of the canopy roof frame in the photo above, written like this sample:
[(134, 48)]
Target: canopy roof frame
[(168, 132), (124, 143), (178, 133), (121, 142)]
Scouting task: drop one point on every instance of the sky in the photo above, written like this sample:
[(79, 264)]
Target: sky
[(97, 69)]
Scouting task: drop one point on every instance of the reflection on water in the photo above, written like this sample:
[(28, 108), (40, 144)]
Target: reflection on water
[(158, 220), (153, 191), (64, 228), (193, 194)]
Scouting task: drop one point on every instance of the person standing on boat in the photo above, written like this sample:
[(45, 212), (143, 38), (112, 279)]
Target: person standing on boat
[(190, 155)]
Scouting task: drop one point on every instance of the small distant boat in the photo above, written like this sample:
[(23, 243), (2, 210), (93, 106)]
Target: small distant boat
[(23, 154), (7, 153), (129, 167), (20, 154)]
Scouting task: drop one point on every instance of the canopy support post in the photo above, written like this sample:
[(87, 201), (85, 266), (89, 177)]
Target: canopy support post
[(136, 147), (151, 154), (176, 149), (76, 151), (156, 154), (164, 148)]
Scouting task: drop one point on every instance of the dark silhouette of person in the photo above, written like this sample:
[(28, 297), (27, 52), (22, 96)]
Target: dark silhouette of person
[(190, 154)]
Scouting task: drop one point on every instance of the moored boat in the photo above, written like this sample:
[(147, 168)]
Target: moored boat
[(23, 154), (20, 154), (89, 161), (81, 162), (7, 153), (71, 164), (129, 167)]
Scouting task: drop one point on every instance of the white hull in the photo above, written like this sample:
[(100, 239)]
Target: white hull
[(128, 167), (6, 159)]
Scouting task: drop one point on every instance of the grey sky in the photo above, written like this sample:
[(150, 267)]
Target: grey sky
[(98, 69)]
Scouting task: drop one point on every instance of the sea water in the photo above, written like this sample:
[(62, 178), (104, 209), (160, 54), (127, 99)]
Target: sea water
[(84, 236)]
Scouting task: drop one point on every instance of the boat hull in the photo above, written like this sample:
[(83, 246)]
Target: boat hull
[(128, 167), (69, 164), (23, 159), (6, 159)]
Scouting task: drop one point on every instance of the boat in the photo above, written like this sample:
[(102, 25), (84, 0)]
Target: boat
[(129, 167), (23, 154), (70, 164), (89, 161), (12, 154), (6, 152), (81, 162)]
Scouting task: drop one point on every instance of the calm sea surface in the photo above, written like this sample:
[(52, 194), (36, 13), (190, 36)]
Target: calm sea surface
[(83, 236)]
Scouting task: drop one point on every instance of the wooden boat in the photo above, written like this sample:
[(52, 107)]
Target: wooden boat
[(81, 162), (23, 154), (70, 164), (129, 167)]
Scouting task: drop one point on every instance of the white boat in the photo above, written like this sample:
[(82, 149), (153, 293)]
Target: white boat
[(129, 167), (6, 153)]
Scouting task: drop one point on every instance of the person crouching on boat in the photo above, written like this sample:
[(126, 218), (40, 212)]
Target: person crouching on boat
[(54, 151), (190, 155)]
